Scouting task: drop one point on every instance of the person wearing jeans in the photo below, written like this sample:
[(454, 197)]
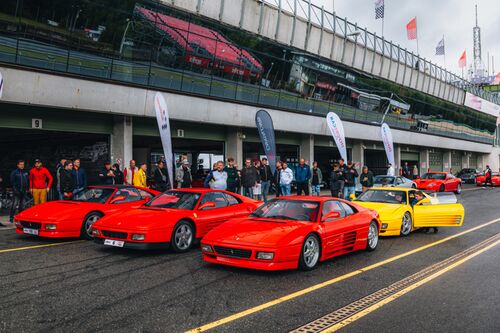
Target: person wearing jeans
[(19, 180), (317, 178), (286, 178), (350, 180), (249, 178), (265, 178), (302, 177)]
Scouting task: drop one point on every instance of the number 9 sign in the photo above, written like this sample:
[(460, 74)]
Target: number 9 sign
[(36, 123)]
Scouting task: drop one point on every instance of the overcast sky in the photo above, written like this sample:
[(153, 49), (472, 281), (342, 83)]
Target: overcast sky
[(452, 18)]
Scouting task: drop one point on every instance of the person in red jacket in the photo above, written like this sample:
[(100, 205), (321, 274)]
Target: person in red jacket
[(40, 182)]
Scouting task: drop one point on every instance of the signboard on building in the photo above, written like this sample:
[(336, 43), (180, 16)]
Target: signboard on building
[(481, 105)]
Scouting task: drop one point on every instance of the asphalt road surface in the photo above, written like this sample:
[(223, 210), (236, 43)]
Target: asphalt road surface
[(82, 287)]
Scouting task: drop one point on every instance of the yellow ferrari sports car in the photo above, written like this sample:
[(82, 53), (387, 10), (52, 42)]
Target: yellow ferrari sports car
[(401, 211)]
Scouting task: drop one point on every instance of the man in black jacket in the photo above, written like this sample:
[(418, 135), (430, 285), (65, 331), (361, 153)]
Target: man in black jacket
[(335, 181), (67, 182), (162, 182), (350, 176), (276, 178), (249, 178), (19, 180), (266, 176)]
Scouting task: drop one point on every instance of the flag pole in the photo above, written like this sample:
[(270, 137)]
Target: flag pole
[(444, 53), (416, 32)]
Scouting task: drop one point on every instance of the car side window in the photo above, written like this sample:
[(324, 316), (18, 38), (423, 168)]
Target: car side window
[(347, 208), (129, 194), (332, 206), (231, 200), (216, 197), (145, 195)]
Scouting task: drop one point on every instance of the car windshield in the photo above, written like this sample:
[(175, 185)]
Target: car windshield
[(175, 200), (296, 210), (393, 197), (383, 180), (440, 176), (96, 195)]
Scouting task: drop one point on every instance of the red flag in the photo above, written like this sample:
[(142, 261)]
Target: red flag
[(462, 62), (411, 29)]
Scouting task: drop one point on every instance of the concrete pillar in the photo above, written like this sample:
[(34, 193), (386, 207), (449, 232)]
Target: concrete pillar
[(307, 148), (358, 154), (447, 161), (121, 140), (234, 145), (397, 159), (424, 161), (465, 160)]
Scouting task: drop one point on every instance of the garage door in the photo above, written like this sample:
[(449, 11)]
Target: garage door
[(436, 161), (456, 162)]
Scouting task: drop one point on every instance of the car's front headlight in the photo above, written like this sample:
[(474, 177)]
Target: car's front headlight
[(206, 248), (138, 237), (50, 227), (265, 255), (96, 233)]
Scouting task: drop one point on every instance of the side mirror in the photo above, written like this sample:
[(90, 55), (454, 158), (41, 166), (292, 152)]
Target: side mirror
[(118, 198), (207, 205), (331, 216), (352, 196)]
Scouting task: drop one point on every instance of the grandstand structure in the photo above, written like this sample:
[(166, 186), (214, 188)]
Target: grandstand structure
[(203, 47)]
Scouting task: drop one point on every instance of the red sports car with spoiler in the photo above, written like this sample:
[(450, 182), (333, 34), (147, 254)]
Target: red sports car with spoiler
[(292, 232), (74, 218), (439, 182), (173, 219)]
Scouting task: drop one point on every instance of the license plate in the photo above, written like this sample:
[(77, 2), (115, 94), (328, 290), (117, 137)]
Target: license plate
[(30, 231), (112, 242)]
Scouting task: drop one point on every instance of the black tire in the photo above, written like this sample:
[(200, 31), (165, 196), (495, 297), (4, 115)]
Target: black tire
[(87, 223), (182, 236), (371, 244), (307, 264), (406, 224), (413, 186), (441, 188), (459, 189)]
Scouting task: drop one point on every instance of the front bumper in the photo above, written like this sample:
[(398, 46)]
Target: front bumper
[(136, 245), (284, 258)]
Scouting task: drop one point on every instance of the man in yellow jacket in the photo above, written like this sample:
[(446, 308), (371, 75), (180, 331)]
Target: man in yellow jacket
[(140, 176)]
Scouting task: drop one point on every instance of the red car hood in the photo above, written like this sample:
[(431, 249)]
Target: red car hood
[(143, 218), (57, 211), (258, 232)]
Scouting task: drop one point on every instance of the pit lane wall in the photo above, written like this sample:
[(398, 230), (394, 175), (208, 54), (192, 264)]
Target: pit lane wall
[(299, 24), (44, 89)]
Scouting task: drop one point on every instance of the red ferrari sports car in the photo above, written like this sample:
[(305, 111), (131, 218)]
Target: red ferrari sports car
[(439, 182), (173, 219), (495, 179), (74, 218), (292, 232)]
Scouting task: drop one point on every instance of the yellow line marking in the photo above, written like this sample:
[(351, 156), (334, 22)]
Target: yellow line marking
[(400, 293), (310, 289), (39, 246)]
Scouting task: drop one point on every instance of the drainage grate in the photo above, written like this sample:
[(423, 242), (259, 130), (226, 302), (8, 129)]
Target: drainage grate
[(347, 311)]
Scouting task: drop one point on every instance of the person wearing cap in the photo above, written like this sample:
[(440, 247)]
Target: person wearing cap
[(140, 177), (40, 182), (183, 175)]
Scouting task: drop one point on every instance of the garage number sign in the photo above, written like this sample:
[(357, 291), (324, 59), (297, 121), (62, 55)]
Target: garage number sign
[(36, 123)]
